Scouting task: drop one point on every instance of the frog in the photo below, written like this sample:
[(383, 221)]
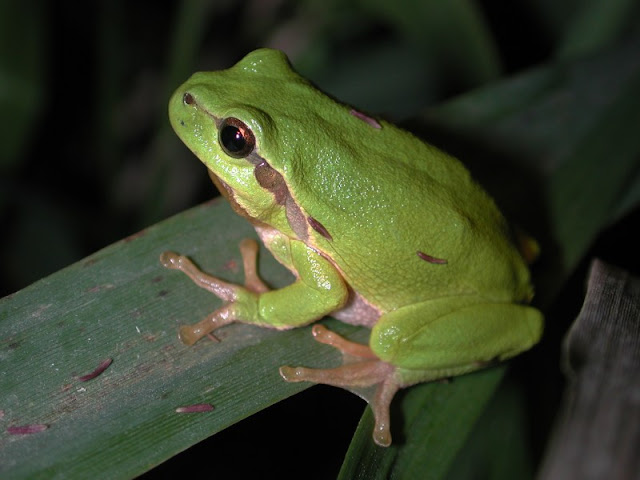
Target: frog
[(379, 228)]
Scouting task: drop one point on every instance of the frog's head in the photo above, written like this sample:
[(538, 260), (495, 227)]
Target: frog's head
[(244, 124), (274, 144)]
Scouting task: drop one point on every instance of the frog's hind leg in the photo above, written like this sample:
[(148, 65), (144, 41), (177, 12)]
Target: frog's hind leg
[(361, 370), (323, 335)]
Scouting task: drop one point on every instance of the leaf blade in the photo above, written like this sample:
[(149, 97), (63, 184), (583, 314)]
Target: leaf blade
[(120, 303)]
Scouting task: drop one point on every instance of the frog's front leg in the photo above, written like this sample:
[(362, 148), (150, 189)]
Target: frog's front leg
[(223, 290), (189, 334), (318, 290)]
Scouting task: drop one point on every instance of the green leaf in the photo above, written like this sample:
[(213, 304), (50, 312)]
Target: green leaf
[(597, 24), (453, 32), (121, 304), (498, 447)]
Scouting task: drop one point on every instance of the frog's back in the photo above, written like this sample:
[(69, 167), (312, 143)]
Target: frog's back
[(404, 220), (409, 223)]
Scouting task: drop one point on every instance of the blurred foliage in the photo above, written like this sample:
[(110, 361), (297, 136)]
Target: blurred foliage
[(87, 156)]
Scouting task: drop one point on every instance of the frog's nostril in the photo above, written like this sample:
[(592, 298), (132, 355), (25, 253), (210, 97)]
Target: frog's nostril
[(188, 99)]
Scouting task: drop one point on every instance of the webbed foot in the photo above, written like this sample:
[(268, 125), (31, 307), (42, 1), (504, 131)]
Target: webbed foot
[(361, 369)]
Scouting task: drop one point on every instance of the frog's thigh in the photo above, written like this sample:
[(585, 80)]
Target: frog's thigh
[(444, 335)]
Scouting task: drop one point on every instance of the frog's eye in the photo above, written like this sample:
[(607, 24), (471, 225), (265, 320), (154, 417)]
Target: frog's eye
[(236, 138)]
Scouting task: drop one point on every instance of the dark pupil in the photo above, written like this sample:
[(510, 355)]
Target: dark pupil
[(233, 139)]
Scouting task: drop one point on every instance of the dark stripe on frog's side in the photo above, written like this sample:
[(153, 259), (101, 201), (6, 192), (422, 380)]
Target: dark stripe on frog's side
[(318, 227), (272, 181)]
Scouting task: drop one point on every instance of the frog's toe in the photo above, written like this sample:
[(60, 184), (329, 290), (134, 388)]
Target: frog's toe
[(357, 377), (382, 435), (170, 260), (322, 334), (190, 334), (292, 374)]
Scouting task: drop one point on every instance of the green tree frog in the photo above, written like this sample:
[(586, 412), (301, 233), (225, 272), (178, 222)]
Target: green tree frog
[(379, 228)]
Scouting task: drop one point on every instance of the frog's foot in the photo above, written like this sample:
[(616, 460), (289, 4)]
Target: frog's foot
[(228, 292), (361, 369)]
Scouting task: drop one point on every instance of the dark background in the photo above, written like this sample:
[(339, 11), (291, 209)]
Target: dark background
[(87, 156)]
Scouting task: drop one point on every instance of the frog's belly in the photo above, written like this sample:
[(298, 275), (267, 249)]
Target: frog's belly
[(357, 311)]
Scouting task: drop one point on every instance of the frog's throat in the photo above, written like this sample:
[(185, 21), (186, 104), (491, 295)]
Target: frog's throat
[(227, 192)]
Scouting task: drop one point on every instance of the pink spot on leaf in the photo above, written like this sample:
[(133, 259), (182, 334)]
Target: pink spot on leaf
[(231, 265), (101, 368), (197, 408), (27, 429)]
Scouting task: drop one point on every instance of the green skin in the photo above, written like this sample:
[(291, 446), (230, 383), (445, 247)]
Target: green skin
[(379, 228)]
